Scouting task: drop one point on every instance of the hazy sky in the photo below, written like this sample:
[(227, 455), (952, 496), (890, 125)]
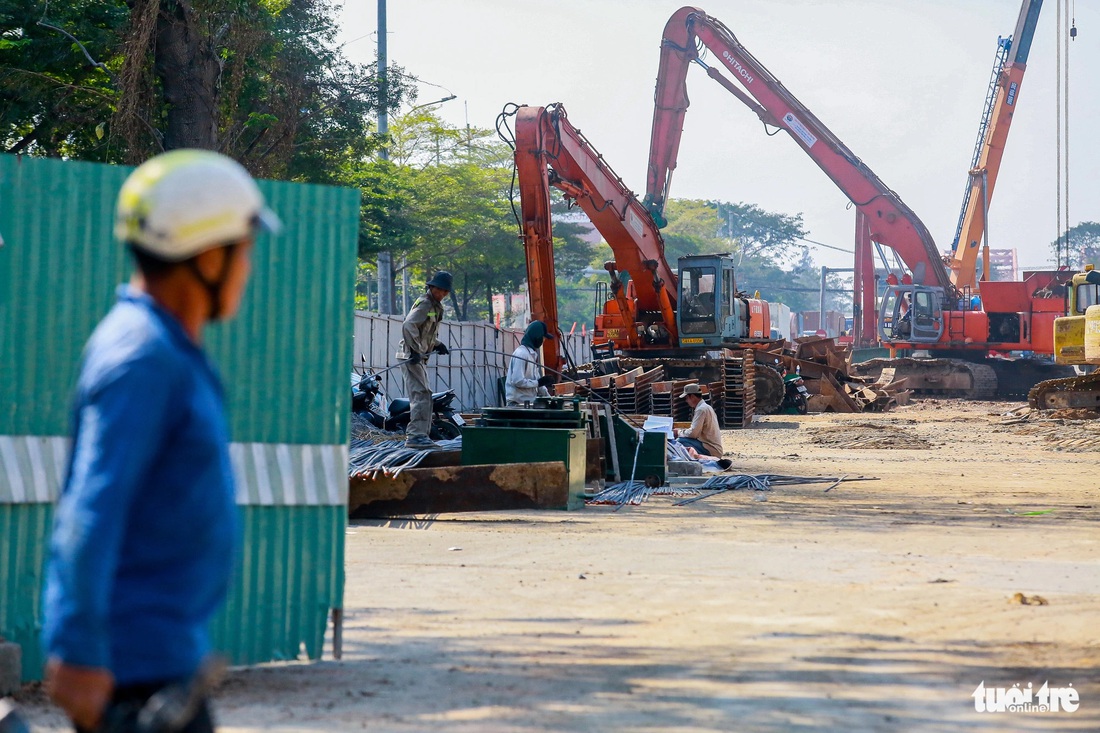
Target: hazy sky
[(901, 82)]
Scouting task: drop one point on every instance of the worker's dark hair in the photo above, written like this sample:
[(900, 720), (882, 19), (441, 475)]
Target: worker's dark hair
[(150, 265)]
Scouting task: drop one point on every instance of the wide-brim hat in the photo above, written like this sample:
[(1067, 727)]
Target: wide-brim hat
[(694, 389)]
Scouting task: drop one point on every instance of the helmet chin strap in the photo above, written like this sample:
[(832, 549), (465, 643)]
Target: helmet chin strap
[(214, 287)]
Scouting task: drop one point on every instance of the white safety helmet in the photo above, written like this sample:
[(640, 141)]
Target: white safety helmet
[(184, 202)]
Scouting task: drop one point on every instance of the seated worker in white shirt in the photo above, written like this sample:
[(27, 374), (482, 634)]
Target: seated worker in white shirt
[(704, 436), (525, 380)]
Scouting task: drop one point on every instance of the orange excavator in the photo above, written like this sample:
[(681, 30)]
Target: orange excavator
[(931, 306), (654, 311)]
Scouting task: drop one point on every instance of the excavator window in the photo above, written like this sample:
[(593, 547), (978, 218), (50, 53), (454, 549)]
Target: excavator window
[(1087, 294), (697, 310), (922, 306)]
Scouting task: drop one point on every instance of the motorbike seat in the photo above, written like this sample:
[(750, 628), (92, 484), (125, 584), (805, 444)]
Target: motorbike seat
[(401, 404)]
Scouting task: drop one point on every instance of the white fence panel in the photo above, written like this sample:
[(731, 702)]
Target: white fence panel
[(479, 356)]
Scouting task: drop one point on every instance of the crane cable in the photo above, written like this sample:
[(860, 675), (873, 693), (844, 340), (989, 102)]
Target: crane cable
[(1065, 31), (1065, 116), (1058, 132)]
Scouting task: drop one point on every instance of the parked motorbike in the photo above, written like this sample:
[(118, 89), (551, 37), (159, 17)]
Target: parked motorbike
[(795, 395), (368, 400)]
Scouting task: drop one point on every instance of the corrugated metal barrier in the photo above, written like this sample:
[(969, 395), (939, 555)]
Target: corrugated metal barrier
[(284, 361), (471, 374)]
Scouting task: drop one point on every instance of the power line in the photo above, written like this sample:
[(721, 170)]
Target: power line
[(766, 288), (783, 234), (827, 246)]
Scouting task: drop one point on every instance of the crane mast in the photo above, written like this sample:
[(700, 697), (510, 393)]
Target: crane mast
[(989, 149)]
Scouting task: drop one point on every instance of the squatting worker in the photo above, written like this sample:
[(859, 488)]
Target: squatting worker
[(704, 435), (525, 380), (420, 338), (146, 528)]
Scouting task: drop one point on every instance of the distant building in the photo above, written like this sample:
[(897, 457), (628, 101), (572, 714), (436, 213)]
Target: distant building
[(1003, 264), (589, 235), (511, 310)]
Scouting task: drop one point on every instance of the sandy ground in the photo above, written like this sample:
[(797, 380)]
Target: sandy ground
[(880, 605)]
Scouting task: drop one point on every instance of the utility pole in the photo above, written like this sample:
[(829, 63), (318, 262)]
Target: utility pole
[(406, 303), (821, 301), (385, 258)]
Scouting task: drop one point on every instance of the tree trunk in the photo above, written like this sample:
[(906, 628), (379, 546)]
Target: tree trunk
[(188, 67), (489, 300)]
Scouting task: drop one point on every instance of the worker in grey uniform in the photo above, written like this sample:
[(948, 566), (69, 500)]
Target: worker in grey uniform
[(419, 340), (525, 380)]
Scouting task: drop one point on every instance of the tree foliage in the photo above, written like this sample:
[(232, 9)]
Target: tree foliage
[(121, 80), (766, 245), (52, 98), (1083, 246), (444, 202)]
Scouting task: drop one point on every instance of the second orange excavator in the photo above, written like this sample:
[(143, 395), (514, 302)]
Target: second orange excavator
[(931, 307)]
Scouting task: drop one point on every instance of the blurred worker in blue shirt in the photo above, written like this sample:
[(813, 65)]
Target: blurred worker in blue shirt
[(146, 529)]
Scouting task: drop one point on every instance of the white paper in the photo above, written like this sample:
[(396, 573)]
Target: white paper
[(658, 424)]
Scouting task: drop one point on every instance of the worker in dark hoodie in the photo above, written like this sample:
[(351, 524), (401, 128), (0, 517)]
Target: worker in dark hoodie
[(525, 380)]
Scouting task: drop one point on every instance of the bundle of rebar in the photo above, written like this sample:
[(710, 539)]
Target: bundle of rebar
[(720, 484), (381, 454), (636, 492)]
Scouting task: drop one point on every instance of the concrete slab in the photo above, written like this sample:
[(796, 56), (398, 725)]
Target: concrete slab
[(685, 468)]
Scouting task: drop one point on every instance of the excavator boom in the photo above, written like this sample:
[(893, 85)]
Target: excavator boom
[(891, 222), (551, 153)]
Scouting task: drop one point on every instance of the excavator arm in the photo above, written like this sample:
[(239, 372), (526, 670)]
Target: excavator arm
[(890, 221), (551, 153), (993, 133)]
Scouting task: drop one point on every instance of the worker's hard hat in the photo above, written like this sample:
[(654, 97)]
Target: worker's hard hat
[(184, 202), (442, 280)]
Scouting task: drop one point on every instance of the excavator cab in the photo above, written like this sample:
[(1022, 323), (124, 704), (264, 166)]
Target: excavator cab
[(710, 314), (911, 314), (1069, 330)]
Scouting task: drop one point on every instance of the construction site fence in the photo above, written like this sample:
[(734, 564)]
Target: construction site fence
[(479, 358)]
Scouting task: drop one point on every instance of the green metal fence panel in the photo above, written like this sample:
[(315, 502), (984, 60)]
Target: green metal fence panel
[(282, 353), (284, 361), (22, 558), (58, 269), (295, 573), (284, 358)]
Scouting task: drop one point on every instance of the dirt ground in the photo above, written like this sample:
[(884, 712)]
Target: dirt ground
[(878, 606)]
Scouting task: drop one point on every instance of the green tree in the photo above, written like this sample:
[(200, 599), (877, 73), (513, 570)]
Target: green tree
[(120, 80), (573, 257), (744, 230), (1083, 246), (770, 259), (452, 215), (53, 99)]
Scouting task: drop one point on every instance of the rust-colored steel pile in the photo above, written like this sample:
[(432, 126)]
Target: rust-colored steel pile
[(644, 387), (824, 367)]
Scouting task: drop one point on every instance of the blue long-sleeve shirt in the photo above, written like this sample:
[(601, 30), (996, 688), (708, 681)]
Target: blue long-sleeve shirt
[(146, 526)]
